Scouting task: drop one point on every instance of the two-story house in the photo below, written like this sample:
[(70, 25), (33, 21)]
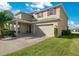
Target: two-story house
[(49, 22)]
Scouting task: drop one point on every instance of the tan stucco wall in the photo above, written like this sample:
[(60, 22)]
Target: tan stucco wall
[(64, 20), (62, 24)]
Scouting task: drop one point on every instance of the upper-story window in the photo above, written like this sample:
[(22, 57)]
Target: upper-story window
[(50, 12), (39, 15)]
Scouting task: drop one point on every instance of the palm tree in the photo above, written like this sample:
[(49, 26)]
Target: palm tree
[(5, 16)]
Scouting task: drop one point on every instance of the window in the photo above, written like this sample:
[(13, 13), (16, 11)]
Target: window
[(50, 12), (39, 15)]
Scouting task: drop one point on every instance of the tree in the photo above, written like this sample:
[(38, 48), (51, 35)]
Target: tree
[(5, 16)]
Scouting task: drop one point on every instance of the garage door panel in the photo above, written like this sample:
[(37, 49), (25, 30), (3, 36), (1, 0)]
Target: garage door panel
[(46, 30)]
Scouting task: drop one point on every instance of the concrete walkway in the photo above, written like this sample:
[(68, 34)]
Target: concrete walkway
[(7, 46)]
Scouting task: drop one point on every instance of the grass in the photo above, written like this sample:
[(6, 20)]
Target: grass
[(51, 47)]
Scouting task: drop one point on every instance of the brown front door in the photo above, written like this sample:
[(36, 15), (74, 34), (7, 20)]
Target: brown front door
[(29, 28)]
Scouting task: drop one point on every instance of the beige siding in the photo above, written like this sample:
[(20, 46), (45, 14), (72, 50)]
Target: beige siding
[(26, 17)]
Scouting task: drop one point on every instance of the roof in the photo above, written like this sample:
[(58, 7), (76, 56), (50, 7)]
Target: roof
[(46, 20), (54, 7), (36, 21), (23, 13)]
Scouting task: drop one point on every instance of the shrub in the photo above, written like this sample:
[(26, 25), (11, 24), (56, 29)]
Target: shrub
[(66, 32), (9, 33)]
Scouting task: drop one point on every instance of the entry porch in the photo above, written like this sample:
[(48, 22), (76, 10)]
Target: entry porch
[(22, 27)]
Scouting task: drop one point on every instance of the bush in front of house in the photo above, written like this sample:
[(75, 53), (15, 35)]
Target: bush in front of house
[(66, 32), (9, 33)]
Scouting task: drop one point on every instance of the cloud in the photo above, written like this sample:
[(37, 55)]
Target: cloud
[(39, 5), (27, 4), (72, 24), (5, 6), (32, 5), (42, 4)]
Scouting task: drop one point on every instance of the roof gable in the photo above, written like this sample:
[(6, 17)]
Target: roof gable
[(22, 13)]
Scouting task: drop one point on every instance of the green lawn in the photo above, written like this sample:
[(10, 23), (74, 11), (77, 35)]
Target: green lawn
[(51, 47)]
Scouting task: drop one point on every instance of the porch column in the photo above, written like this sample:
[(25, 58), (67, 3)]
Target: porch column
[(12, 26), (9, 27), (16, 28)]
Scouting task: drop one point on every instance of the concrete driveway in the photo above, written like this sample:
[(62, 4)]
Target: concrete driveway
[(7, 46)]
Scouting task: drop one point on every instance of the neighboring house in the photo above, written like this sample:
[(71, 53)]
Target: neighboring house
[(75, 30), (49, 22)]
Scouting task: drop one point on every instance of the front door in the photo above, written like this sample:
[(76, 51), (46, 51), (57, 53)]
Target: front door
[(29, 28)]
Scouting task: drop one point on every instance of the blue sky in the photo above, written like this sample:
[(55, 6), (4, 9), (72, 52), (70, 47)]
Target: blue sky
[(71, 8)]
